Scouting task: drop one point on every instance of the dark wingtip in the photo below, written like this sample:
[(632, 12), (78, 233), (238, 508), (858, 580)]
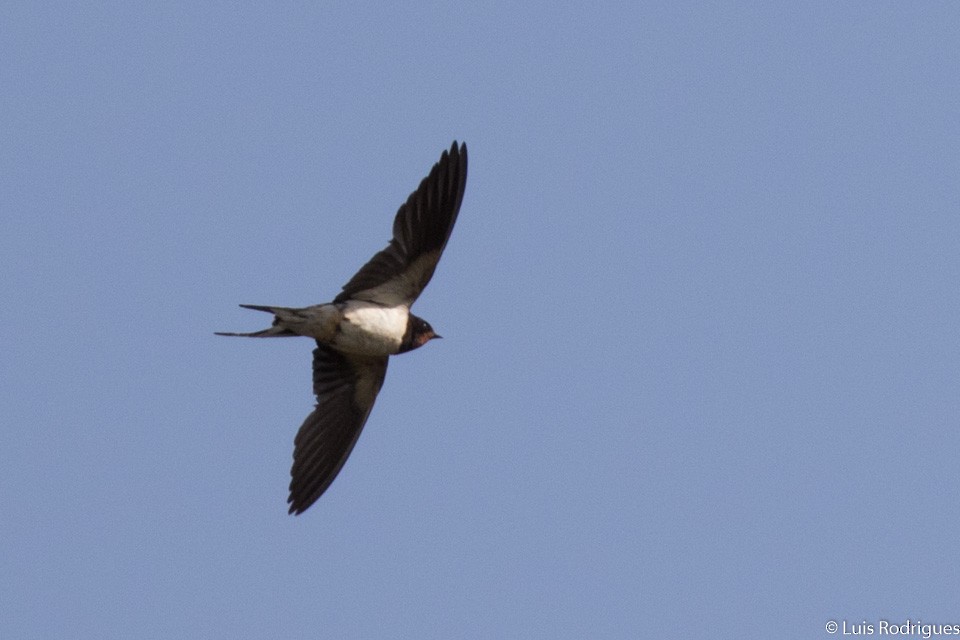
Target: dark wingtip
[(298, 504), (459, 148)]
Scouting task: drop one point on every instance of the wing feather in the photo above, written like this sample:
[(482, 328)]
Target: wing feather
[(398, 274), (346, 387)]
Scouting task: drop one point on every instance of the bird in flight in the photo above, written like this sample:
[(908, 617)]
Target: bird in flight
[(368, 322)]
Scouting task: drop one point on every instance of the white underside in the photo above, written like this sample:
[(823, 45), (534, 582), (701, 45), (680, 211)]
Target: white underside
[(371, 329)]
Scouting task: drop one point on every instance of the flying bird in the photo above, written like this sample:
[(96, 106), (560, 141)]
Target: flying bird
[(368, 322)]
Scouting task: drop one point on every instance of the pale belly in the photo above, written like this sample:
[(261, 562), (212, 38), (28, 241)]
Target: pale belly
[(371, 329)]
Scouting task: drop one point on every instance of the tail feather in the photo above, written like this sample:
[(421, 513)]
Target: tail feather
[(276, 331), (272, 332), (259, 307)]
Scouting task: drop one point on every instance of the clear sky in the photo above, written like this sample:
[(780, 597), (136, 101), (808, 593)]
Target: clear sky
[(701, 359)]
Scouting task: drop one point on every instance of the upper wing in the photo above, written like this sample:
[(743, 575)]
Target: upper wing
[(346, 387), (398, 274)]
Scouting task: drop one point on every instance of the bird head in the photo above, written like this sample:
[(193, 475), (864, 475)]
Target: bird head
[(419, 332)]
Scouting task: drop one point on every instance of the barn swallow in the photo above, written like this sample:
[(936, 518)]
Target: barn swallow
[(368, 322)]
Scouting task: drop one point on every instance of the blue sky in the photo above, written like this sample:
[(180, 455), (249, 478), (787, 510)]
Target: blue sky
[(700, 368)]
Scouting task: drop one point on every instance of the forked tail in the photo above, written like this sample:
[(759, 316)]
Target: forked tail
[(276, 331)]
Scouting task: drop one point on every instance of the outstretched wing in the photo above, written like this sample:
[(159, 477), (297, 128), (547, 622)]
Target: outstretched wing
[(397, 275), (346, 387)]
